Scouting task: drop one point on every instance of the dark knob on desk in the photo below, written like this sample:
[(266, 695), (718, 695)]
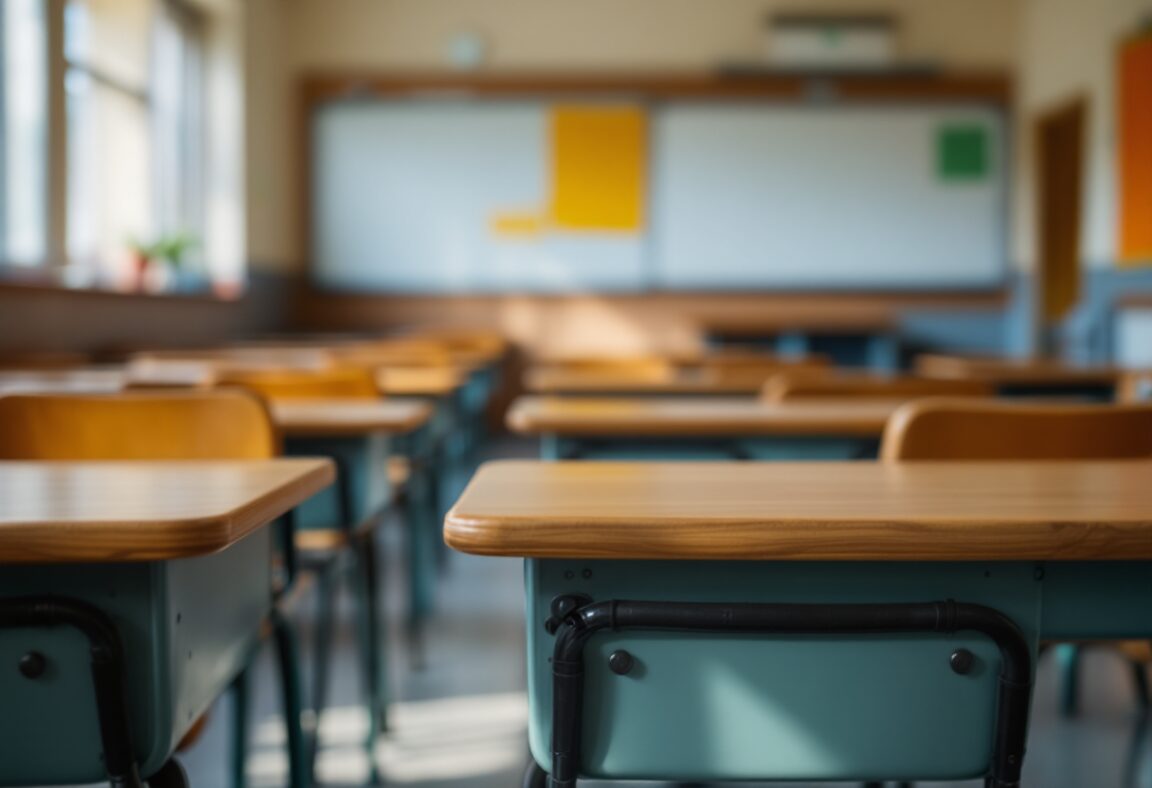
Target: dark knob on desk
[(620, 662), (32, 665), (962, 661)]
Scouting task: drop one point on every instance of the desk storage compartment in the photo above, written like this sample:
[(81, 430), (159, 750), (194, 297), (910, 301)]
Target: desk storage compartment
[(748, 706), (188, 628)]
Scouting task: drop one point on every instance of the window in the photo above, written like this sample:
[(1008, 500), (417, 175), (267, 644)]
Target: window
[(133, 131), (23, 115), (106, 160)]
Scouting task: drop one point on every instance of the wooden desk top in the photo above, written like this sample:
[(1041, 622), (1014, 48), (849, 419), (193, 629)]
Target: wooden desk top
[(1015, 371), (843, 318), (688, 416), (420, 381), (859, 511), (542, 380), (83, 380), (346, 417), (101, 512)]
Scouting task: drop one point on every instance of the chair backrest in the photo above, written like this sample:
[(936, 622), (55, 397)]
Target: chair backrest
[(787, 386), (408, 352), (942, 429), (136, 425), (332, 383), (632, 368)]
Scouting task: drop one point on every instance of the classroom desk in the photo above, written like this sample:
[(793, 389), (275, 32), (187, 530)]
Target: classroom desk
[(443, 386), (79, 379), (738, 621), (417, 381), (854, 337), (357, 435), (734, 427), (1025, 377), (131, 556), (682, 381)]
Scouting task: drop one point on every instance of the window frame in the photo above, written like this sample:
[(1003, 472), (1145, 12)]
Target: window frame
[(56, 269)]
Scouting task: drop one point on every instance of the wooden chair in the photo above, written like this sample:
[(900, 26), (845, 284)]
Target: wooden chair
[(787, 386), (144, 425), (139, 425), (289, 384), (998, 430), (629, 367)]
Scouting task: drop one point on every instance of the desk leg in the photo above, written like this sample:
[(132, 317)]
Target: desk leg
[(883, 353), (288, 661), (327, 588), (107, 651), (240, 709), (372, 651), (551, 447), (422, 527), (575, 621)]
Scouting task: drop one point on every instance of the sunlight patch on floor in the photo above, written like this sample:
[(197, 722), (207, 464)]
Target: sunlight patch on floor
[(430, 740)]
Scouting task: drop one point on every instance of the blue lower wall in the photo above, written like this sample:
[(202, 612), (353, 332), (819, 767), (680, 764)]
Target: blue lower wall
[(1086, 336)]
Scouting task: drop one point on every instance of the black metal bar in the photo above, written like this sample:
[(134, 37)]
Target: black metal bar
[(107, 654), (1015, 684), (344, 503), (286, 531)]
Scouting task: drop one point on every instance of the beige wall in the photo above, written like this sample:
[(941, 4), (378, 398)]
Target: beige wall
[(1068, 49), (269, 129), (288, 38), (606, 34)]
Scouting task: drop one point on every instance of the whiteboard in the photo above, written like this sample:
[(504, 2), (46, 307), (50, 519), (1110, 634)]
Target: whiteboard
[(406, 193), (740, 196), (823, 197)]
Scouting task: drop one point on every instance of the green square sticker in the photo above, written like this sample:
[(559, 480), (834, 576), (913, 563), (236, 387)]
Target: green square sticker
[(962, 153)]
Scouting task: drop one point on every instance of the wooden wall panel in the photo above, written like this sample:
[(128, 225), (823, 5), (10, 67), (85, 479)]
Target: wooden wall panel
[(1134, 105), (544, 326)]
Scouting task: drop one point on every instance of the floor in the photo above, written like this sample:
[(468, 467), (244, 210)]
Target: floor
[(461, 720)]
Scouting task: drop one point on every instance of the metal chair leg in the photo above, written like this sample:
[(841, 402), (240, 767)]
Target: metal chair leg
[(419, 516), (534, 776), (171, 775), (326, 592), (239, 752), (1140, 682), (288, 660), (366, 593), (1068, 658)]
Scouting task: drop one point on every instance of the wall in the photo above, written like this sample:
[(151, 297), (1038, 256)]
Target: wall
[(1068, 49), (557, 326), (609, 34), (50, 319), (560, 35), (269, 135)]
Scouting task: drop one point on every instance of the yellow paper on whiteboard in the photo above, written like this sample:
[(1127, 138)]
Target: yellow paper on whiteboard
[(510, 224), (599, 157)]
